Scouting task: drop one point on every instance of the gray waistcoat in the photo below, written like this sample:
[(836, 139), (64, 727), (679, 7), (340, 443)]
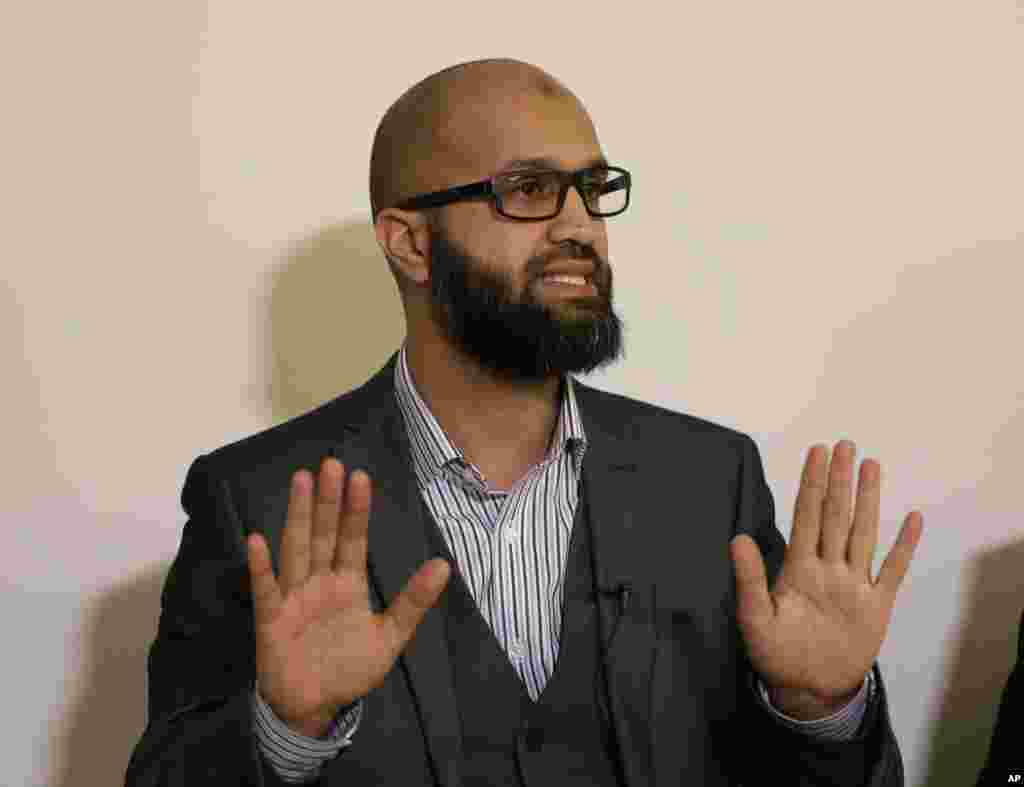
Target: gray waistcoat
[(565, 738)]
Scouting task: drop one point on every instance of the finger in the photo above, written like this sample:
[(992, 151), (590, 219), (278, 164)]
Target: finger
[(806, 530), (754, 605), (896, 564), (353, 524), (266, 595), (295, 539), (325, 518), (419, 595), (864, 538), (835, 522)]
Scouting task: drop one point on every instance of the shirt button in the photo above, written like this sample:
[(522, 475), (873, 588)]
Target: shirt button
[(510, 534), (517, 649)]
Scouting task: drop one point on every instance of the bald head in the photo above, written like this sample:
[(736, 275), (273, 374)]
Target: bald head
[(473, 285), (432, 127)]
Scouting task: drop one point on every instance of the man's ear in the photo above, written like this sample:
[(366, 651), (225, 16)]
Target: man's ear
[(404, 240)]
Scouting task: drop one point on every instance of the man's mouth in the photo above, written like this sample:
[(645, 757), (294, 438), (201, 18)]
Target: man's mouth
[(570, 284)]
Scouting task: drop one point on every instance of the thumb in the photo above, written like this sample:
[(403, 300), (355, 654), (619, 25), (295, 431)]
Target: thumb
[(421, 592), (754, 604)]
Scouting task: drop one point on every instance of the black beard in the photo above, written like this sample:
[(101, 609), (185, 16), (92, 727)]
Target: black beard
[(521, 340)]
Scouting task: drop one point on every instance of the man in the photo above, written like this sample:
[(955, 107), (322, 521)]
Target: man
[(620, 607)]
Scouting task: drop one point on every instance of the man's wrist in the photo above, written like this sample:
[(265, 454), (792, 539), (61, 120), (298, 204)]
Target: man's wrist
[(312, 728), (317, 725), (321, 725), (806, 706)]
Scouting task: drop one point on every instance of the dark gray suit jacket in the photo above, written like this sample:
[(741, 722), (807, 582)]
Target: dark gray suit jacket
[(667, 491)]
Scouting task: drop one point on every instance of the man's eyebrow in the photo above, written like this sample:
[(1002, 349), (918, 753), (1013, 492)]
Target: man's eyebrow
[(547, 162)]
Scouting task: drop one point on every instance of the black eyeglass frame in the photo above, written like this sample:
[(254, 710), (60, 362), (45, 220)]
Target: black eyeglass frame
[(485, 188)]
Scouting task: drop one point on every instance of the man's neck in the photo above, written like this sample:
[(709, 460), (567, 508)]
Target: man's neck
[(503, 428)]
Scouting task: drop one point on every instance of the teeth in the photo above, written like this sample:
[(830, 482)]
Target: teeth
[(564, 279)]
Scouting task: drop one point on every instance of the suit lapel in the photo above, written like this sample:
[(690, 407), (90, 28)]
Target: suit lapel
[(397, 548), (377, 442), (612, 483)]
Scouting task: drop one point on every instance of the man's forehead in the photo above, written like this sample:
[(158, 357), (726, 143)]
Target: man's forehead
[(538, 145), (521, 131)]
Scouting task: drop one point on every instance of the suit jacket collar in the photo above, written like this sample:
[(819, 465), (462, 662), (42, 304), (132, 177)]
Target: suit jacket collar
[(374, 439)]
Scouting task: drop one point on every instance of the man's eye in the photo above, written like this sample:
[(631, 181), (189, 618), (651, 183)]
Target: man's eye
[(531, 184)]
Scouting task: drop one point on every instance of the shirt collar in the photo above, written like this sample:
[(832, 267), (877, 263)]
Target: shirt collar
[(435, 450)]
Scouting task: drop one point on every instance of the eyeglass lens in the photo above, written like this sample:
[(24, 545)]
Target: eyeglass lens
[(534, 194)]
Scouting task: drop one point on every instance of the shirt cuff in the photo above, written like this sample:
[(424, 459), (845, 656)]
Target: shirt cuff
[(840, 726), (296, 757)]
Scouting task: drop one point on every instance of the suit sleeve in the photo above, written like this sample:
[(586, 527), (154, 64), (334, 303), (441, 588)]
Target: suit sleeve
[(297, 758), (842, 726), (201, 666), (871, 757)]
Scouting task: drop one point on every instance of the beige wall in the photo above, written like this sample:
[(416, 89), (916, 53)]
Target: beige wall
[(825, 241)]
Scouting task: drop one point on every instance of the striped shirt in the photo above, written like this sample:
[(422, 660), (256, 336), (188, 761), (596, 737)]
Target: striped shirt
[(518, 591)]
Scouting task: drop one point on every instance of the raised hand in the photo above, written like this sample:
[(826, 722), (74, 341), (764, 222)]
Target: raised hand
[(319, 646), (820, 629)]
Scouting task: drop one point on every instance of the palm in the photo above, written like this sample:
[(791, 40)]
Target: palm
[(822, 625), (324, 628), (827, 629), (319, 645)]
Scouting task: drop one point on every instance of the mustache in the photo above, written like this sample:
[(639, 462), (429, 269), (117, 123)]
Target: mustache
[(576, 252), (588, 255)]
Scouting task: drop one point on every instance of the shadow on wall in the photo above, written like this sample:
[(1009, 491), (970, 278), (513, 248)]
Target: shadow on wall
[(109, 714), (335, 317), (984, 654)]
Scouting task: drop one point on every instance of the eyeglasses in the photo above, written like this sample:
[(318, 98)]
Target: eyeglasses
[(539, 194)]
